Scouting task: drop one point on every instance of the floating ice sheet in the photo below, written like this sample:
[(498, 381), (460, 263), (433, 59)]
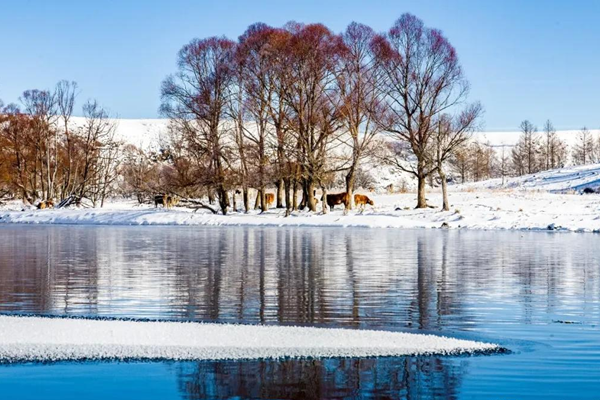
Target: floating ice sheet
[(54, 339)]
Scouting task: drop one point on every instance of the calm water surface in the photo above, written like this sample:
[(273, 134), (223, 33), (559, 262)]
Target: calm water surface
[(536, 293)]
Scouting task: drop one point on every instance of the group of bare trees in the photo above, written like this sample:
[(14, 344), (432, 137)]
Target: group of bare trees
[(534, 152), (293, 107), (43, 156), (537, 152), (296, 109)]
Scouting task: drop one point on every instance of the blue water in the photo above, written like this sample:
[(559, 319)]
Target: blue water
[(536, 293)]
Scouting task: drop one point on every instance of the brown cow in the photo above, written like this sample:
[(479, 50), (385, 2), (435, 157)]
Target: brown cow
[(361, 200), (336, 198), (45, 204), (269, 199), (165, 200)]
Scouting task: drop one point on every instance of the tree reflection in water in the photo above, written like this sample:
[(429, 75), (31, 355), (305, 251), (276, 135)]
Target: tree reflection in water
[(432, 281), (392, 378)]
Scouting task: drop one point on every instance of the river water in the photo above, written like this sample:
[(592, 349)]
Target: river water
[(538, 294)]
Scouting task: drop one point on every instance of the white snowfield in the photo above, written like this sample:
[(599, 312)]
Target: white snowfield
[(561, 180), (480, 209), (550, 200), (58, 339), (519, 205)]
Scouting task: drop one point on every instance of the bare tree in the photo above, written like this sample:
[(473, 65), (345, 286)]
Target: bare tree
[(66, 92), (41, 104), (257, 76), (584, 149), (195, 99), (526, 153), (481, 160), (360, 103), (313, 56), (98, 154), (280, 113), (20, 151), (504, 164), (450, 135), (422, 80), (236, 112), (554, 150)]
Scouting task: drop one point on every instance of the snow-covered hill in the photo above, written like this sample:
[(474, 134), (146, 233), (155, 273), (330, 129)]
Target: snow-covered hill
[(562, 180), (143, 131)]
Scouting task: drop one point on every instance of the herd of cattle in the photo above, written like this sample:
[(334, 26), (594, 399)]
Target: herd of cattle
[(332, 200), (360, 200)]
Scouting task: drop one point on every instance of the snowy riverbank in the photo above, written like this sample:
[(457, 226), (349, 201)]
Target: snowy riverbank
[(478, 209), (547, 201)]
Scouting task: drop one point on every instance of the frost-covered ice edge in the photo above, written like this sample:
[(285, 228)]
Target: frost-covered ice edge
[(27, 339)]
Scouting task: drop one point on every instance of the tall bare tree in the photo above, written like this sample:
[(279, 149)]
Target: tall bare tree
[(98, 154), (450, 135), (313, 55), (259, 89), (422, 80), (584, 148), (41, 104), (195, 99), (360, 103), (527, 151), (66, 92)]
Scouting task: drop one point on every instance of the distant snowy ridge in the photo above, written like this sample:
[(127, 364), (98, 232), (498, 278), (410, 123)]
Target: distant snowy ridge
[(148, 132), (56, 339), (561, 180)]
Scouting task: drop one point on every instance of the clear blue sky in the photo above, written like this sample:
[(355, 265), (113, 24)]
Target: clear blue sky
[(525, 59)]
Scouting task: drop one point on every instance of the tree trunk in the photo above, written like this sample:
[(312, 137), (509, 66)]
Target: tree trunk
[(257, 200), (223, 200), (263, 200), (295, 195), (310, 189), (445, 204), (246, 197), (280, 192), (324, 189), (288, 197), (421, 201), (304, 201), (350, 178)]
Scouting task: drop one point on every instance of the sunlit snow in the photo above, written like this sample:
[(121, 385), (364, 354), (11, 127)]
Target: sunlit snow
[(53, 339)]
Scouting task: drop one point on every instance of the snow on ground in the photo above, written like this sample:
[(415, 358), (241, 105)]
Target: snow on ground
[(53, 339), (550, 200), (473, 208), (563, 180)]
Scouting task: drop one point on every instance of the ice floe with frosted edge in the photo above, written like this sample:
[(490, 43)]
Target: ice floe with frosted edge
[(56, 339)]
